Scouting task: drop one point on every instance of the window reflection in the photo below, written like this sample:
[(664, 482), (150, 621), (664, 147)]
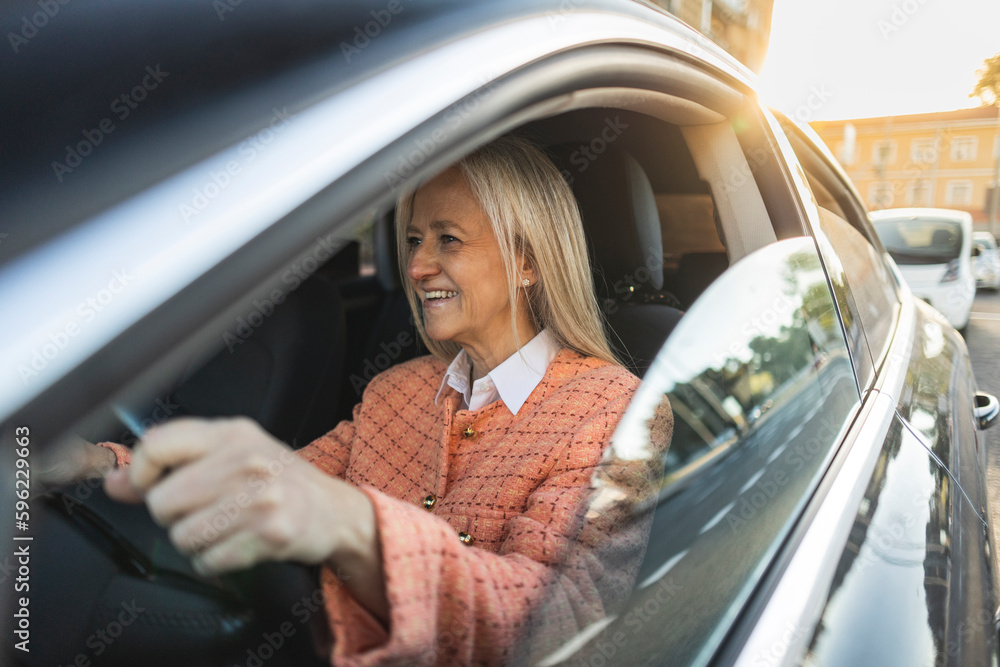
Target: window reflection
[(775, 351), (760, 383), (867, 277)]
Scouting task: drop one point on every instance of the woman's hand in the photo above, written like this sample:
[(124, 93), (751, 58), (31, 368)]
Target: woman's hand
[(232, 496), (71, 459)]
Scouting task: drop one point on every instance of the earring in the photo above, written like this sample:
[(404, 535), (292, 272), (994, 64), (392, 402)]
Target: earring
[(525, 282)]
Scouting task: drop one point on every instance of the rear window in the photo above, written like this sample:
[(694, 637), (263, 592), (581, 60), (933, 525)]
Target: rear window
[(921, 240)]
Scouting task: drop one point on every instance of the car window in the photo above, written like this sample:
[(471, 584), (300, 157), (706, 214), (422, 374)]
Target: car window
[(920, 240), (865, 287), (761, 386)]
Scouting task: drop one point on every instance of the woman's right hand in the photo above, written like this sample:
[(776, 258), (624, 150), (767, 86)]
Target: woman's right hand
[(231, 496), (72, 459)]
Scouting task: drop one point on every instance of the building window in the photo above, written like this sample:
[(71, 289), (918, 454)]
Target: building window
[(963, 149), (918, 193), (923, 150), (845, 153), (880, 195), (959, 193), (884, 152), (735, 5)]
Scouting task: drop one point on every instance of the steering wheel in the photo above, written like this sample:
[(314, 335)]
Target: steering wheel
[(107, 587)]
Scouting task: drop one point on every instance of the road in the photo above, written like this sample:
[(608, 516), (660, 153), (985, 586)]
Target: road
[(983, 339)]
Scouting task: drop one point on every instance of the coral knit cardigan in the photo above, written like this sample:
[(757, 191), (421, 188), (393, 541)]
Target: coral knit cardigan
[(530, 571)]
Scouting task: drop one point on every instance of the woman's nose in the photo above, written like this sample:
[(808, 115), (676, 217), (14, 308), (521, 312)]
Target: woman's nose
[(422, 264)]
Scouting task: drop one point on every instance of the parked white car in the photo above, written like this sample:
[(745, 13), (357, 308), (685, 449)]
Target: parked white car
[(933, 250), (986, 265)]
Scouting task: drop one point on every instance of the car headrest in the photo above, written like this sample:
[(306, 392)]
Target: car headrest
[(942, 238), (619, 214)]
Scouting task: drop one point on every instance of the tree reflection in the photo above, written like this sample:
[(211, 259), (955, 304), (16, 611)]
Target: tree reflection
[(786, 342)]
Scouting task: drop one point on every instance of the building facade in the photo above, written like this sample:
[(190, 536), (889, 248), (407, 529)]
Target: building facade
[(741, 27), (945, 160)]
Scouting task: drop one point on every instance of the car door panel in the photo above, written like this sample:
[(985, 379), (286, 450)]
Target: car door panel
[(913, 568)]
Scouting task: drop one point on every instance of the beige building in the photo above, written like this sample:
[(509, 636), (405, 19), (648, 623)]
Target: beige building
[(944, 160), (741, 27)]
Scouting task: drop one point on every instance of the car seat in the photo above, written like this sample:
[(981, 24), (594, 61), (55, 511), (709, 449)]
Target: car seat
[(943, 238), (619, 212)]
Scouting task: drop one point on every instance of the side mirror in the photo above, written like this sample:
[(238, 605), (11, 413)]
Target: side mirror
[(986, 409)]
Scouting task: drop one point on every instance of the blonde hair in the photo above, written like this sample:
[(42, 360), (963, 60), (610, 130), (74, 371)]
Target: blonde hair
[(533, 212)]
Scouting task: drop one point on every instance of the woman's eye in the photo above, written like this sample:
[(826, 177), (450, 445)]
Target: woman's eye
[(412, 241), (445, 238)]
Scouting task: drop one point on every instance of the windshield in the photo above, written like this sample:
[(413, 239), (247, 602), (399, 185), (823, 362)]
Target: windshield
[(921, 240), (984, 243)]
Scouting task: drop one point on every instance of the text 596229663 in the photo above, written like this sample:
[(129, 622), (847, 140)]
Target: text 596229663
[(22, 546)]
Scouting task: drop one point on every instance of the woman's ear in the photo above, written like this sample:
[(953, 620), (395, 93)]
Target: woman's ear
[(526, 270)]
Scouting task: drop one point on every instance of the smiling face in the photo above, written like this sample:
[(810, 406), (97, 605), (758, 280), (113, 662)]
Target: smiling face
[(457, 270)]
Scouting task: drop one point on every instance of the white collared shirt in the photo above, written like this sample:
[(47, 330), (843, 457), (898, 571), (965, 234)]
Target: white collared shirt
[(512, 381)]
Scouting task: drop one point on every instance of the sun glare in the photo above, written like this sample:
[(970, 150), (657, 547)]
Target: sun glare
[(864, 58)]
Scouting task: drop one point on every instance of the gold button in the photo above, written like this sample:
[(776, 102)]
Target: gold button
[(429, 502), (468, 433), (465, 538)]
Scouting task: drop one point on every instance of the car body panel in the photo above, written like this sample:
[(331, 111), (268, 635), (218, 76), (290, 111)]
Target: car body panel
[(292, 56), (902, 544)]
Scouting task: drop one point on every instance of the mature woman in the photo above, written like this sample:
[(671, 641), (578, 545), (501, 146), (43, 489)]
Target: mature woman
[(449, 509)]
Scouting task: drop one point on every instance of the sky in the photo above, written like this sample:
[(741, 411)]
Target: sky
[(863, 58)]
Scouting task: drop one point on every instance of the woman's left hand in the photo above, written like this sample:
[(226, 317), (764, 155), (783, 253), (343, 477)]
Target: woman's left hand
[(232, 496)]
